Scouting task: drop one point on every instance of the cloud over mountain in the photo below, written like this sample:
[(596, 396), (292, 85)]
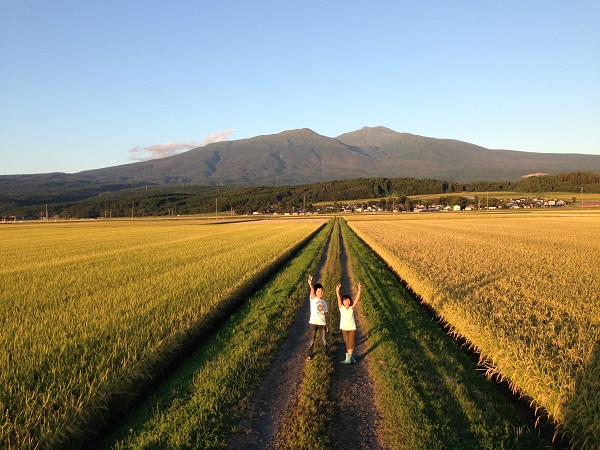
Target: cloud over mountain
[(157, 151), (218, 137)]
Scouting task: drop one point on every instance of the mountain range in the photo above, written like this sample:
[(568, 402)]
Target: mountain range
[(303, 156)]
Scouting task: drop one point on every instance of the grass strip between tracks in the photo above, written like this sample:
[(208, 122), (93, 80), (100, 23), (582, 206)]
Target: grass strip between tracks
[(196, 407), (430, 394)]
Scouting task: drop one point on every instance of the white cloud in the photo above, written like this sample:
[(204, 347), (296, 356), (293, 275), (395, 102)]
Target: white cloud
[(156, 151), (218, 137)]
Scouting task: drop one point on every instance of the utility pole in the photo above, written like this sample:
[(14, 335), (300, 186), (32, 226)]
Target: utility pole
[(216, 208), (132, 205), (47, 211), (304, 206), (581, 197)]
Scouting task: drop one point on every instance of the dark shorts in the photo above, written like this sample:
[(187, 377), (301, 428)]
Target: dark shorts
[(349, 338)]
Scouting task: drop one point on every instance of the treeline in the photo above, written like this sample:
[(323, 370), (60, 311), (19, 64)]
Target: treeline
[(564, 182), (190, 199)]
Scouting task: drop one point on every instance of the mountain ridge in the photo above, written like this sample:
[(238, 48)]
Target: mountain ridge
[(304, 156)]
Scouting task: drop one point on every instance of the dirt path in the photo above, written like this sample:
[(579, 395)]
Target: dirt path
[(262, 418), (356, 420)]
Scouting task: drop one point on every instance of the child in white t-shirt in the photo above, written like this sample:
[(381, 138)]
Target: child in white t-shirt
[(317, 322), (347, 322)]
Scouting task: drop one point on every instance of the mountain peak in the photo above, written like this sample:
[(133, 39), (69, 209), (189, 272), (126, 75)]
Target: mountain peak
[(304, 132), (377, 129), (369, 136)]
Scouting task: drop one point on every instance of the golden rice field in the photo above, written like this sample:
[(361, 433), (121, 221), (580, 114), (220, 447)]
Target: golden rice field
[(524, 290), (88, 308)]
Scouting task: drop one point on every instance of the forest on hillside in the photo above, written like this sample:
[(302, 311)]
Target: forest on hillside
[(169, 200)]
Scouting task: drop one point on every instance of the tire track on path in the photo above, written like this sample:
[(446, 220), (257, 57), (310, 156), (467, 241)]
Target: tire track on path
[(357, 420), (261, 418)]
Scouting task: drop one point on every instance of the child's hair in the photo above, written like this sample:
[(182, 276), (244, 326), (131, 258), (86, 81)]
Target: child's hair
[(344, 297), (317, 286)]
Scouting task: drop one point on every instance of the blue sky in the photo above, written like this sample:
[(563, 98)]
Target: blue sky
[(91, 84)]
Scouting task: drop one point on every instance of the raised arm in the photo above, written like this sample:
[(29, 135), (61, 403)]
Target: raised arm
[(312, 288), (357, 296), (339, 297)]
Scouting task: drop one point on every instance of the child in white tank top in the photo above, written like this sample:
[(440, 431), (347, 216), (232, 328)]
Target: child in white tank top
[(347, 322)]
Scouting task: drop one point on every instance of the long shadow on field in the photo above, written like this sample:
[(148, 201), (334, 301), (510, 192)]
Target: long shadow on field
[(582, 411), (363, 340), (402, 329)]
